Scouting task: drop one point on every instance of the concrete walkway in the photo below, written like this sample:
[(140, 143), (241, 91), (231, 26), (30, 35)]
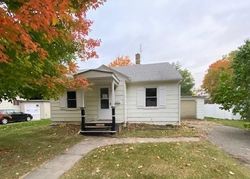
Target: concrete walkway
[(59, 165)]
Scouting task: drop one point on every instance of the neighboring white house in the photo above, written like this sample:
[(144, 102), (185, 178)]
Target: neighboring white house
[(10, 106), (39, 109), (141, 93), (192, 107)]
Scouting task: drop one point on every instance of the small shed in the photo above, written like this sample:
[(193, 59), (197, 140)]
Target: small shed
[(39, 109), (192, 107)]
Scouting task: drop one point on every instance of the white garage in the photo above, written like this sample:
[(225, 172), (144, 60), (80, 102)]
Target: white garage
[(39, 109), (192, 107)]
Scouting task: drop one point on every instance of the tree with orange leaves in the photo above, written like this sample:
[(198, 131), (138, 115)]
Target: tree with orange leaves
[(39, 43), (121, 61), (215, 70)]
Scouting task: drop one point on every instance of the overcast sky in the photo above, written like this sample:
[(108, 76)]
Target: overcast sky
[(193, 32)]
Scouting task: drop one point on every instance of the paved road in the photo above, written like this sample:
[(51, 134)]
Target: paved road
[(233, 140)]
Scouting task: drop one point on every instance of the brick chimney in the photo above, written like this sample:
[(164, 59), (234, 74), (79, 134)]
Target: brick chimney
[(137, 59)]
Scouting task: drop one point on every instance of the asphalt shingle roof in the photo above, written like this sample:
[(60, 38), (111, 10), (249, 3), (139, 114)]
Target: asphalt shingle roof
[(150, 72)]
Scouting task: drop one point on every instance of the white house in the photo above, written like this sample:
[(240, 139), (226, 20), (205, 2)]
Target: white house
[(141, 93), (10, 106)]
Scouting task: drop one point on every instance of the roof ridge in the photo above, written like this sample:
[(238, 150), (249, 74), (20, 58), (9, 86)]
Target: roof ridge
[(137, 65)]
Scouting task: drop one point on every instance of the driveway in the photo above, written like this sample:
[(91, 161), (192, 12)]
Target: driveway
[(232, 140)]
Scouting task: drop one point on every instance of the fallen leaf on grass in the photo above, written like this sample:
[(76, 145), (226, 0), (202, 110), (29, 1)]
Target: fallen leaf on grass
[(127, 175), (214, 158), (97, 170)]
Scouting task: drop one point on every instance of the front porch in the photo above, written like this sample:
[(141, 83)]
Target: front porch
[(98, 126), (98, 109)]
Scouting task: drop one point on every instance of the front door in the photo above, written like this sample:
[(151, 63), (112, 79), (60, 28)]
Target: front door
[(104, 104)]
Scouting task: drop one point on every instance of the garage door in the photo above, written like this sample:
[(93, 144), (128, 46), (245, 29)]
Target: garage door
[(33, 109), (188, 109)]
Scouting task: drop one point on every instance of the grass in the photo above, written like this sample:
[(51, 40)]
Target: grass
[(232, 123), (160, 160), (26, 145), (145, 130)]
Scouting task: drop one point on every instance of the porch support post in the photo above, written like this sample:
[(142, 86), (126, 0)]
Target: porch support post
[(113, 128), (82, 118), (113, 94), (83, 93)]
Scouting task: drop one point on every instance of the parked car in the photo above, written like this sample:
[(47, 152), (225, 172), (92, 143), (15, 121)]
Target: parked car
[(15, 117), (4, 118)]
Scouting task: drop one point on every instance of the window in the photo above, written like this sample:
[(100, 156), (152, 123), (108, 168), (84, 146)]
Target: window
[(15, 102), (104, 98), (71, 99), (151, 97)]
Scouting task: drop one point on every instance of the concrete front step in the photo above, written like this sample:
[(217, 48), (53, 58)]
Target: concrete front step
[(97, 127), (97, 131)]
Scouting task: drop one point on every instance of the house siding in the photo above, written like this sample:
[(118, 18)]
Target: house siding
[(168, 114), (6, 105), (120, 102), (91, 103), (61, 114), (126, 106)]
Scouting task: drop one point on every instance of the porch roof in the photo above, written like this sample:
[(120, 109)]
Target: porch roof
[(98, 74)]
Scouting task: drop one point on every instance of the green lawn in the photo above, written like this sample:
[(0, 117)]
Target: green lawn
[(144, 130), (232, 123), (26, 145), (160, 160)]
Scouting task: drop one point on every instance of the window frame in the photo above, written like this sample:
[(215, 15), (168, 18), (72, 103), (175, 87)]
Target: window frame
[(71, 99), (151, 97)]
